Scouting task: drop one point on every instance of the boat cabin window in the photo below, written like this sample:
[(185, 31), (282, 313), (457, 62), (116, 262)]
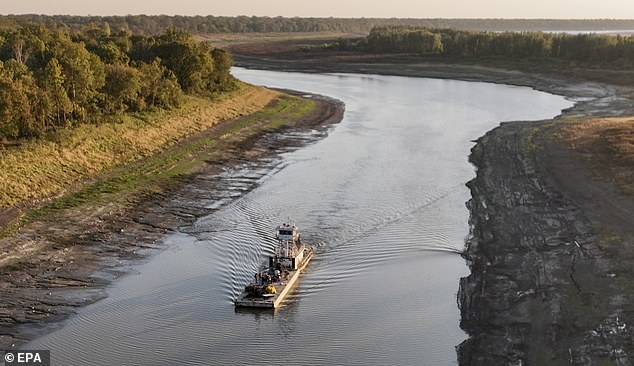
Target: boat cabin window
[(286, 232)]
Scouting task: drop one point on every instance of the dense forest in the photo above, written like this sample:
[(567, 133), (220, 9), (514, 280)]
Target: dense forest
[(145, 24), (51, 79), (582, 48)]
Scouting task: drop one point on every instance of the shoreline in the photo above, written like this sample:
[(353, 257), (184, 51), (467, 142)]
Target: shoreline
[(503, 258), (547, 286), (85, 248)]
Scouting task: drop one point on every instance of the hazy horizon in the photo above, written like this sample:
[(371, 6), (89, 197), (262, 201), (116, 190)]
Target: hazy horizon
[(536, 9)]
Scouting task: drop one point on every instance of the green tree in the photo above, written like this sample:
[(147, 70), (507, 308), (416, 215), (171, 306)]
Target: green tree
[(53, 85), (121, 89), (19, 115), (84, 75), (159, 86), (222, 69), (190, 61)]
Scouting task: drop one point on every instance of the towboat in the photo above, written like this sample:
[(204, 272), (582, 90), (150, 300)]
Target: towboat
[(272, 284)]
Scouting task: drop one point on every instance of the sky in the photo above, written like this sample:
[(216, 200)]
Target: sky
[(559, 9)]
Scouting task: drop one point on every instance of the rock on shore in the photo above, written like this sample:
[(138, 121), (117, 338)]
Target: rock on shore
[(545, 287)]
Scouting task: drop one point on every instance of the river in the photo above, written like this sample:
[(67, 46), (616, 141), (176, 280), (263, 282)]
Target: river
[(382, 197)]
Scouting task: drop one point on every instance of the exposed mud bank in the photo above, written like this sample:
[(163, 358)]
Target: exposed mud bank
[(550, 262), (78, 252)]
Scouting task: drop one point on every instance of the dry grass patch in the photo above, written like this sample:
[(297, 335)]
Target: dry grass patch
[(608, 144)]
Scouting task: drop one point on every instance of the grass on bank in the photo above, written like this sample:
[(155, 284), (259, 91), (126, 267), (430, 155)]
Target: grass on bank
[(608, 144), (96, 162)]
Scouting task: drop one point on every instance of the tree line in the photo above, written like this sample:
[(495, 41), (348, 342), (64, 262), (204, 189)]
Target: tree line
[(146, 24), (51, 79), (584, 47)]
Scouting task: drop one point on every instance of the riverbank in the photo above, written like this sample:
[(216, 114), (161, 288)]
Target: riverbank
[(551, 214), (71, 249), (550, 253)]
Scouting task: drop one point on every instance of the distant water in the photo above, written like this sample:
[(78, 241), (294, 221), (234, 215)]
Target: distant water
[(382, 197), (623, 32)]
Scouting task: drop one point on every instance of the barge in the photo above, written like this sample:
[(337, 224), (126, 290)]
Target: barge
[(271, 285)]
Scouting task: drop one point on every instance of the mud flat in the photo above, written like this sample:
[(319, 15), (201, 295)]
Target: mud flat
[(552, 240), (63, 261), (551, 270)]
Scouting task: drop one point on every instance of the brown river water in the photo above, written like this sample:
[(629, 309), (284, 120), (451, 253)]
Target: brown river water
[(381, 196)]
